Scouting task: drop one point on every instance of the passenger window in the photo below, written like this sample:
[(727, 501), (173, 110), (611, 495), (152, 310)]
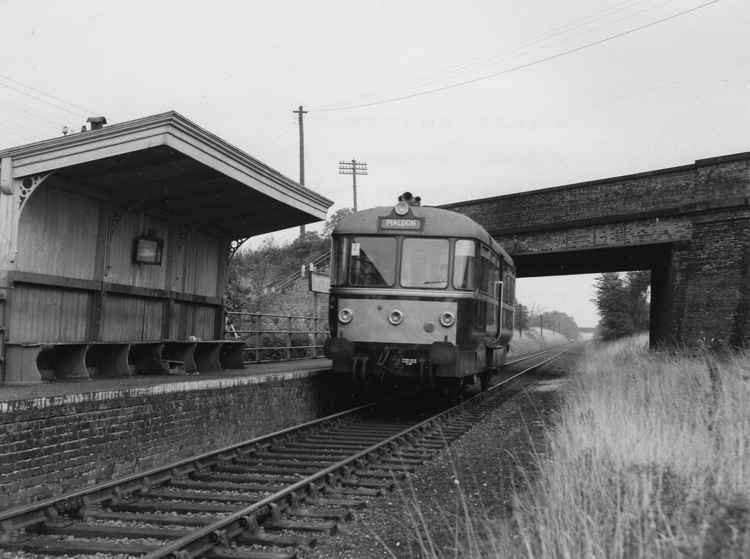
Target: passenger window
[(464, 264), (489, 271)]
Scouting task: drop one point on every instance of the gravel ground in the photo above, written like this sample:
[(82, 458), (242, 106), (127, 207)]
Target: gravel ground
[(477, 474)]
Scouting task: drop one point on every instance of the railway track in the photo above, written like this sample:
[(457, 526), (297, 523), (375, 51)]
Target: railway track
[(261, 499)]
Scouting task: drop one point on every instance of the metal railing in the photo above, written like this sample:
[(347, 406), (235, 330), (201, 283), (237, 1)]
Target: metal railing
[(277, 337), (283, 283)]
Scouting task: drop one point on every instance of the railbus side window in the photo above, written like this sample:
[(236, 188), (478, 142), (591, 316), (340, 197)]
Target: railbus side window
[(489, 271), (493, 274), (464, 266), (372, 261)]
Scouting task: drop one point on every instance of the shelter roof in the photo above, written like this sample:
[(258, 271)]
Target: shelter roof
[(167, 165)]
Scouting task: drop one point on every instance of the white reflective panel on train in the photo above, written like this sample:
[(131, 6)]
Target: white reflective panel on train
[(370, 322)]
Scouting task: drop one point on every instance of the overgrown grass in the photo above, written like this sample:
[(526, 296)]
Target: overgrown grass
[(650, 458)]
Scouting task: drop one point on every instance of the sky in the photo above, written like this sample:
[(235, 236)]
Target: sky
[(555, 110)]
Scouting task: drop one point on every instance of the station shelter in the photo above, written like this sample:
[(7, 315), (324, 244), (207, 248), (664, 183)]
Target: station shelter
[(114, 244)]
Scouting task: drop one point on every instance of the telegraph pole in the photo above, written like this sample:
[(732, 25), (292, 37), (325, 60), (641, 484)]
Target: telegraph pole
[(299, 112), (353, 168)]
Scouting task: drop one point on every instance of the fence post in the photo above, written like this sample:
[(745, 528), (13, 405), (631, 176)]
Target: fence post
[(315, 324), (289, 337), (258, 336)]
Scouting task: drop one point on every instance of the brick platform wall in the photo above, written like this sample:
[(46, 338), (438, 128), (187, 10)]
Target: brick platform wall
[(56, 445)]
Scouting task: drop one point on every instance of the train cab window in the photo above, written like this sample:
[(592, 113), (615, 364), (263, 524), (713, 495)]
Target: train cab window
[(372, 261), (339, 260), (424, 263), (464, 264)]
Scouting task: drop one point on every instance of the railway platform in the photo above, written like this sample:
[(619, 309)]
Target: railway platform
[(78, 390), (62, 436)]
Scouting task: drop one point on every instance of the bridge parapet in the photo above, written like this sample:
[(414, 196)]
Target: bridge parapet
[(706, 185), (689, 225)]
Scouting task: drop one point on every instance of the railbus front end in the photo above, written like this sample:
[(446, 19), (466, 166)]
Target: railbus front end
[(420, 293)]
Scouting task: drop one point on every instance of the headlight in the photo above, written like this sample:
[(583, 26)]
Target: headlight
[(395, 317), (346, 316), (447, 319), (402, 208)]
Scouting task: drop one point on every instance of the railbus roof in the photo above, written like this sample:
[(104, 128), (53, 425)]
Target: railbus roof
[(437, 223)]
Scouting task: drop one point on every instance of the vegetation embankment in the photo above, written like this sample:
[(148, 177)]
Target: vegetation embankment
[(649, 458), (533, 340)]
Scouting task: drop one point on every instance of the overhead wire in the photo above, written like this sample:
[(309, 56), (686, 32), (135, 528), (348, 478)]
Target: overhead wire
[(56, 98), (568, 28), (72, 109), (38, 116), (517, 67)]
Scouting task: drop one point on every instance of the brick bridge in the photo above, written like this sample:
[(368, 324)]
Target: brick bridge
[(689, 225)]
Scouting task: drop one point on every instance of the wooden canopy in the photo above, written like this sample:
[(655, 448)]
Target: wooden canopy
[(166, 165)]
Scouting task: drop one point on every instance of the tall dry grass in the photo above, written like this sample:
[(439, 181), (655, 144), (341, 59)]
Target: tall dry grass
[(650, 459)]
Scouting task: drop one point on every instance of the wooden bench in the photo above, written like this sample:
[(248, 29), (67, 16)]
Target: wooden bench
[(108, 360), (27, 363), (232, 354), (31, 363)]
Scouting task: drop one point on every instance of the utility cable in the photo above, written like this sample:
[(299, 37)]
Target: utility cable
[(519, 66), (569, 28), (32, 88), (41, 99)]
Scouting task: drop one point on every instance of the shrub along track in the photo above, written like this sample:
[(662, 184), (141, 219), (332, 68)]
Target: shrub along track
[(259, 499)]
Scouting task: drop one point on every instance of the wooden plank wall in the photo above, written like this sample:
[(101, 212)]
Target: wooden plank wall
[(131, 318), (191, 320), (57, 234), (60, 232), (48, 314), (120, 267)]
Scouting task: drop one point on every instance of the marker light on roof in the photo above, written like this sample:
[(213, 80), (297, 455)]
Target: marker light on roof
[(402, 208)]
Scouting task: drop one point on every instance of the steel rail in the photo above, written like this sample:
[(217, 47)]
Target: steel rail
[(225, 529), (568, 347), (534, 354), (221, 531), (19, 517)]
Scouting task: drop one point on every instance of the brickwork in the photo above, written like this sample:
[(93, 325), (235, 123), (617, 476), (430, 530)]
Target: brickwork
[(667, 192), (625, 233), (690, 225), (709, 280), (50, 446)]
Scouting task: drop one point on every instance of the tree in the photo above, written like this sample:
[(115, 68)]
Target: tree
[(335, 219), (554, 321), (251, 271), (622, 303), (522, 318), (638, 284)]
